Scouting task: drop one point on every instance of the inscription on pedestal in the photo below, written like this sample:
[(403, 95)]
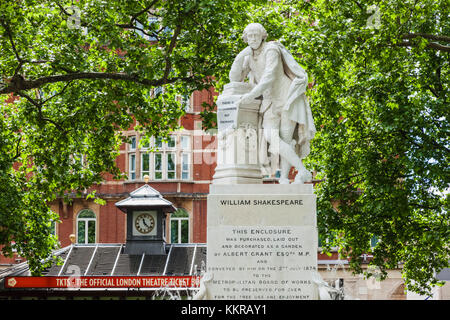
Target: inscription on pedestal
[(227, 111), (262, 242), (262, 262)]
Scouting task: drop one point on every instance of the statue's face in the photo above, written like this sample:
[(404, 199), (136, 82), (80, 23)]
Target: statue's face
[(254, 38)]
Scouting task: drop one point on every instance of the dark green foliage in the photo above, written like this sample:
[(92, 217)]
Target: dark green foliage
[(380, 101), (84, 71)]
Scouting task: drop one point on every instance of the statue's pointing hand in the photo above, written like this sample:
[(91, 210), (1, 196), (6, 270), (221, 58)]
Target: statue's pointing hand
[(247, 98), (246, 52)]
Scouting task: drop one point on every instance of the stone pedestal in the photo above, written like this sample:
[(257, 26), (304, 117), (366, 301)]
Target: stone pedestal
[(262, 242), (237, 151)]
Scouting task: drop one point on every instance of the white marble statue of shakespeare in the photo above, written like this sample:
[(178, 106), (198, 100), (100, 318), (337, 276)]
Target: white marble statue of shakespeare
[(285, 115)]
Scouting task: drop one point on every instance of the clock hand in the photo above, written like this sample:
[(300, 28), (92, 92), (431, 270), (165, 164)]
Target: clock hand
[(143, 220)]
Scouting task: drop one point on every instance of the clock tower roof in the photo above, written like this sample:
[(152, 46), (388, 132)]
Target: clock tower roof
[(145, 196), (145, 191)]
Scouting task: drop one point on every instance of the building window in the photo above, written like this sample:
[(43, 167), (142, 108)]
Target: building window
[(153, 20), (160, 158), (158, 143), (132, 165), (185, 143), (171, 142), (185, 101), (324, 241), (170, 166), (185, 157), (165, 159), (132, 144), (132, 158), (145, 165), (139, 29), (179, 226), (373, 241), (185, 165), (13, 247), (53, 228), (158, 172), (86, 225)]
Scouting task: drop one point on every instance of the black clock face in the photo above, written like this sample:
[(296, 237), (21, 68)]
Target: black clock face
[(144, 223)]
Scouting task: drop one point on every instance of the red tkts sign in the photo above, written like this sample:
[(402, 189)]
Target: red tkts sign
[(102, 282)]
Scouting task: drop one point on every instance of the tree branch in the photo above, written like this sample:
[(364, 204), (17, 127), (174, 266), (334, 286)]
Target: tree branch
[(62, 8), (17, 150), (130, 26), (345, 179), (134, 16), (437, 89), (169, 52), (358, 4), (13, 46), (18, 83), (434, 92), (426, 36), (57, 94), (41, 116), (405, 135), (20, 60), (431, 45)]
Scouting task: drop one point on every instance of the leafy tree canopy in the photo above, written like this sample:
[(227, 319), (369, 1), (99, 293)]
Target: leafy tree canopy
[(78, 73), (380, 78)]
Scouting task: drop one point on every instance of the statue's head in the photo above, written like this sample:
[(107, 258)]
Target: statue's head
[(254, 34)]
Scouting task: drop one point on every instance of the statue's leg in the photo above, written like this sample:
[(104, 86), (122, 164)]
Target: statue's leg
[(303, 175), (271, 128), (287, 133), (281, 144), (288, 156)]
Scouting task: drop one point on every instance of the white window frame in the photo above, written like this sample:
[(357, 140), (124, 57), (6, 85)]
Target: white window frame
[(86, 229), (166, 144), (161, 170), (131, 152), (130, 166), (185, 101), (185, 150), (179, 220), (143, 173), (166, 164), (130, 145), (180, 151), (188, 164), (54, 230), (188, 139)]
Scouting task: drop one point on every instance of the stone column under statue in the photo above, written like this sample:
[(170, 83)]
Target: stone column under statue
[(264, 123)]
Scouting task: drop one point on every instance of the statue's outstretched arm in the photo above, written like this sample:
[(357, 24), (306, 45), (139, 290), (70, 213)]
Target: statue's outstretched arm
[(240, 69), (273, 59)]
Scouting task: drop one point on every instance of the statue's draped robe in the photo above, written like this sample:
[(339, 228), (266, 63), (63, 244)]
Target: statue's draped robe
[(273, 89)]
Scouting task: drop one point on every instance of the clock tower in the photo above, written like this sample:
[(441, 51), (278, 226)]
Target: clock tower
[(146, 213)]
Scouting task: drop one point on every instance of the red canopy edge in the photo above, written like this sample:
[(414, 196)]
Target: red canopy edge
[(81, 282)]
